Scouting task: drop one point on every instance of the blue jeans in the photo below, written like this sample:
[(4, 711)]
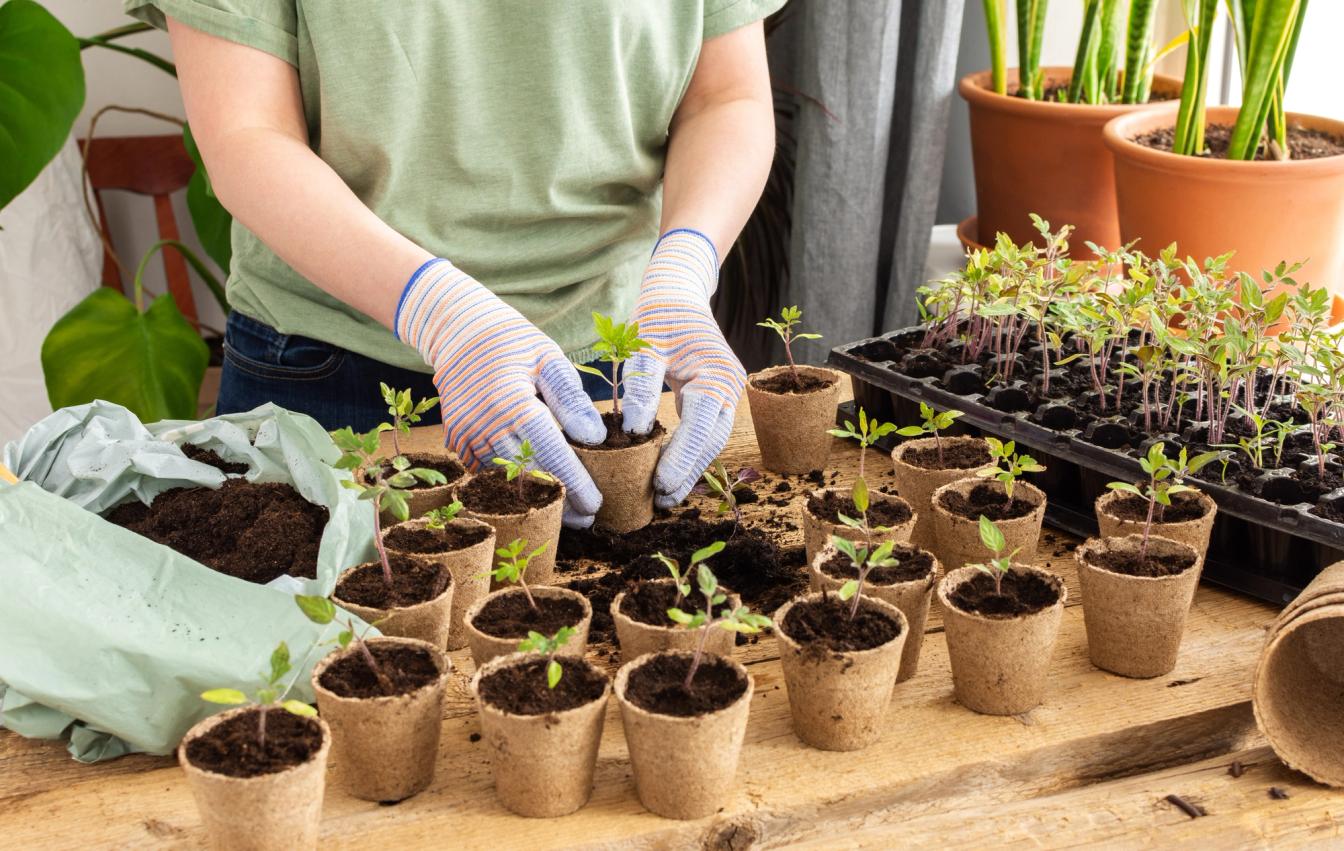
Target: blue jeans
[(334, 386)]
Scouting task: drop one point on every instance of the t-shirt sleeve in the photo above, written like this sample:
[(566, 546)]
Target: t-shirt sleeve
[(267, 25), (724, 16)]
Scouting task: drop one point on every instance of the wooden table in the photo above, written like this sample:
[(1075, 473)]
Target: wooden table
[(1093, 764)]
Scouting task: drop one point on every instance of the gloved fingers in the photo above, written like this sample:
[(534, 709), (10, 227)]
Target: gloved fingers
[(641, 390), (699, 417), (718, 438), (555, 456), (562, 389)]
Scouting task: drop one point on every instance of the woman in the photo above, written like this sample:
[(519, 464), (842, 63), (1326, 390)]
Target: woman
[(381, 157)]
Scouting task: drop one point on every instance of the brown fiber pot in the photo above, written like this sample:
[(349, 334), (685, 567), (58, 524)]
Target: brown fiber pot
[(957, 539), (543, 764), (278, 812), (1296, 693), (470, 569), (422, 499), (1195, 533), (1043, 157), (486, 647), (912, 598), (839, 700), (1326, 585), (537, 526), (817, 532), (917, 484), (791, 427), (430, 621), (1266, 211), (683, 767), (386, 747), (625, 479), (1134, 623), (999, 665), (636, 638)]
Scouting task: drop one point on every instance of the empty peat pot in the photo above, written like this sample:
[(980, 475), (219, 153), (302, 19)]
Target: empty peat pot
[(1189, 518), (497, 622), (920, 469), (543, 741), (1134, 608), (465, 548), (422, 497), (622, 468), (791, 422), (822, 508), (957, 508), (642, 624), (526, 509), (418, 604)]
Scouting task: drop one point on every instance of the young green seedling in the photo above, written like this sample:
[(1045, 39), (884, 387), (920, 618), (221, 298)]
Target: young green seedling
[(404, 412), (616, 343), (268, 696), (322, 611), (741, 619), (1164, 482), (512, 566), (521, 465), (439, 518), (859, 494), (934, 422), (864, 562), (868, 433), (1009, 465), (783, 326), (548, 647), (998, 566), (716, 481), (682, 580)]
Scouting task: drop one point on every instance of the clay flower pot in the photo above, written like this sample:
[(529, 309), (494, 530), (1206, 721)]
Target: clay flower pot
[(999, 664), (485, 646), (912, 597), (537, 526), (1135, 623), (421, 499), (683, 765), (839, 698), (469, 567), (1017, 146), (429, 621), (817, 531), (1267, 212), (543, 763), (280, 811), (791, 427), (916, 483), (1195, 533), (957, 538), (386, 747), (625, 478), (637, 638)]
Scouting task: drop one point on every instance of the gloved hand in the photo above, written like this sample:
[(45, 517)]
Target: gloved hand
[(687, 348), (489, 363)]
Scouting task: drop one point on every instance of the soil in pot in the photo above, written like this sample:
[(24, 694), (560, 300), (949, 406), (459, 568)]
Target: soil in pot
[(1159, 560), (828, 505), (511, 616), (824, 626), (957, 455), (527, 508), (409, 668), (622, 467), (783, 383), (1304, 143), (1019, 594), (1184, 507), (450, 467), (413, 582), (521, 689), (890, 514), (426, 541), (987, 500), (642, 624), (913, 565), (620, 439), (233, 748), (791, 423), (492, 493), (659, 685), (465, 549), (648, 602)]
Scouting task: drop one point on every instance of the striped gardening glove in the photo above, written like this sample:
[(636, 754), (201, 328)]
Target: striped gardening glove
[(489, 364), (687, 349)]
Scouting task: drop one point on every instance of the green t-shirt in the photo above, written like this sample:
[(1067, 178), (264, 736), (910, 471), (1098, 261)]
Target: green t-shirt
[(522, 139)]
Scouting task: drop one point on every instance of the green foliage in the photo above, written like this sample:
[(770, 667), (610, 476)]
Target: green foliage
[(682, 579), (933, 423), (865, 562), (548, 647), (512, 565), (404, 412), (998, 65), (371, 477), (867, 433), (1009, 465), (717, 481), (740, 619), (1266, 35), (1030, 32), (266, 696), (616, 343), (1000, 563), (1164, 481), (783, 326), (322, 611), (524, 463), (439, 518), (1189, 134)]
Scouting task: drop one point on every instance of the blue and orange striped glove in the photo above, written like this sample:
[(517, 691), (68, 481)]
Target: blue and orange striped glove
[(687, 349), (489, 364)]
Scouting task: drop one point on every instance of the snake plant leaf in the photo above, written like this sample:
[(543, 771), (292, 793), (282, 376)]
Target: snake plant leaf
[(213, 223), (41, 92)]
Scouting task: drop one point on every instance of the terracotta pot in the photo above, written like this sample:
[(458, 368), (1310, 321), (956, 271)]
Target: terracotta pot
[(957, 539), (1267, 212), (1195, 533), (485, 647), (386, 747), (791, 427), (912, 598), (1134, 623), (1298, 681), (683, 766), (999, 665), (917, 484), (543, 764), (470, 569), (968, 234), (278, 811), (1044, 157), (625, 479), (636, 638), (430, 621), (422, 499), (817, 532), (537, 526), (839, 700)]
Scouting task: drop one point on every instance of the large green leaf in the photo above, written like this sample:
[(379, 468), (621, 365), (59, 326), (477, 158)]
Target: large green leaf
[(213, 222), (41, 92), (151, 362)]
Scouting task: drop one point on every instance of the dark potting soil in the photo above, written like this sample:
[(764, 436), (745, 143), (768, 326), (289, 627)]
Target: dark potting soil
[(1161, 559), (783, 383), (659, 686), (213, 459), (830, 505), (492, 493), (913, 564), (648, 602), (449, 539), (825, 625), (234, 749), (452, 469), (510, 615), (988, 500), (1184, 507), (250, 531), (408, 668), (617, 438), (1023, 594), (958, 455), (1056, 92), (1303, 143), (521, 689), (413, 582)]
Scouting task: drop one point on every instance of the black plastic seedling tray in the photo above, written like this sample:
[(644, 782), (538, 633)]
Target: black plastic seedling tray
[(1260, 548)]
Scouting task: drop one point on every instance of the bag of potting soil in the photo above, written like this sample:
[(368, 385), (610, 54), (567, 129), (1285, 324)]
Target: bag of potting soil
[(108, 637)]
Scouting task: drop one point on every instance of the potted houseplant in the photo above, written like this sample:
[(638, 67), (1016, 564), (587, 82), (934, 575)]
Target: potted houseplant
[(421, 496), (791, 405), (521, 502), (541, 717), (1163, 504), (1001, 618), (640, 613), (499, 620), (924, 464), (994, 492)]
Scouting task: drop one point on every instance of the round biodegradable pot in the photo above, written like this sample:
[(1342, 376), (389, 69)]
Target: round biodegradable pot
[(916, 484), (537, 526), (625, 479), (957, 538), (912, 598), (386, 747), (1044, 157), (817, 532), (485, 647), (1135, 623), (791, 428), (1325, 585), (839, 698), (637, 638), (430, 621), (470, 569), (1195, 533), (279, 811), (422, 499), (683, 765), (543, 764), (1298, 681), (999, 664)]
